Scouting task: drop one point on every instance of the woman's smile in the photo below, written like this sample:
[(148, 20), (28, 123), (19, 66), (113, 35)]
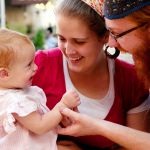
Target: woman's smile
[(75, 59)]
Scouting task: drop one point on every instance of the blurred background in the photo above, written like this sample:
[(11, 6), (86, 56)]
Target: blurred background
[(34, 18)]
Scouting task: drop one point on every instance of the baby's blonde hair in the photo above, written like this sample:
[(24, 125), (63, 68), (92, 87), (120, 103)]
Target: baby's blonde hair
[(10, 42)]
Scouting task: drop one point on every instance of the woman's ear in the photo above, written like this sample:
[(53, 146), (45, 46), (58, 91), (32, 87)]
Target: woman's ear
[(105, 38), (3, 73)]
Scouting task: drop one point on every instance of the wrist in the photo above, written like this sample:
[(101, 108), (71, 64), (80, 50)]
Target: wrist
[(60, 105)]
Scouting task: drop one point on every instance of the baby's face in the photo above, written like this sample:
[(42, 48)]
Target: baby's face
[(23, 68)]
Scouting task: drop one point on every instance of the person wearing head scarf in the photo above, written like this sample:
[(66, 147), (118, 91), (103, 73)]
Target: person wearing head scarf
[(129, 26)]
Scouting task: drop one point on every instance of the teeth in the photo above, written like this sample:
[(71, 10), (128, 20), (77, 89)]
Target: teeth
[(78, 58)]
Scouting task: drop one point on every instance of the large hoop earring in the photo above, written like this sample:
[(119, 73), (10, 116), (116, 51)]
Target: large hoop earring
[(112, 56)]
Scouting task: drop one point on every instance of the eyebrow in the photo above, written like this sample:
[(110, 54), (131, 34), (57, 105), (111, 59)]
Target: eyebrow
[(81, 38)]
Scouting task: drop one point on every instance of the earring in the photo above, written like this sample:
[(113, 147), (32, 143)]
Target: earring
[(112, 56)]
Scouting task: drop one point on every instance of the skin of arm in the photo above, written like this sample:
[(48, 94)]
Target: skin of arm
[(40, 124), (137, 121), (125, 136)]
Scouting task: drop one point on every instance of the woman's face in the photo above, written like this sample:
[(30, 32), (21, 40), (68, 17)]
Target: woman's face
[(81, 46)]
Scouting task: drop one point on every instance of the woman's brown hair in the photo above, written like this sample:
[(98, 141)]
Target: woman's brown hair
[(79, 9)]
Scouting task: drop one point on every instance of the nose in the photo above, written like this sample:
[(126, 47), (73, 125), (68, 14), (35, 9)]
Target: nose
[(112, 42), (69, 48)]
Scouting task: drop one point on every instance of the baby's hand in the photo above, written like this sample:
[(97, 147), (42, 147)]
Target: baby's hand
[(71, 99)]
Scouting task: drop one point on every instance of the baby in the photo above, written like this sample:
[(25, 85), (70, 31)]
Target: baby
[(25, 121)]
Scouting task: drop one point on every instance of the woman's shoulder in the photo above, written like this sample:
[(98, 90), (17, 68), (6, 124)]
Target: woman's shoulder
[(55, 52), (49, 56)]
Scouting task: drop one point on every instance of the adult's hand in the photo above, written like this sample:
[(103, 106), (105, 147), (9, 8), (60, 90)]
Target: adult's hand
[(66, 121), (81, 124)]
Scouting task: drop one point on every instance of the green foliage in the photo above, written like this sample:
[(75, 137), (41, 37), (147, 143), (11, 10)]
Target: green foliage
[(17, 27), (39, 39)]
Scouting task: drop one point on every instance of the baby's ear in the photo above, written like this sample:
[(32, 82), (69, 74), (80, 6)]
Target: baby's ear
[(3, 73)]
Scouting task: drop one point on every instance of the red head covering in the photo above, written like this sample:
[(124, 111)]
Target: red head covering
[(97, 5)]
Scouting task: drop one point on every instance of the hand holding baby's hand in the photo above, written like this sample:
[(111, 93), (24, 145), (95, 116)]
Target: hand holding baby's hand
[(71, 100), (66, 121)]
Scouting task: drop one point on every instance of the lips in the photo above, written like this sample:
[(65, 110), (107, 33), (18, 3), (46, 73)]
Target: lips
[(75, 59)]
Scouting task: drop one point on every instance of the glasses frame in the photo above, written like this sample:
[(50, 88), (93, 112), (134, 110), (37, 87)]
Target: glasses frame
[(126, 32)]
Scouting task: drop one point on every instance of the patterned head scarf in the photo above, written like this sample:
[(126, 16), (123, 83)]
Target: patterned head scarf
[(115, 9), (96, 5)]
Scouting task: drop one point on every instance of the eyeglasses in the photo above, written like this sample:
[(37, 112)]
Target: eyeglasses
[(126, 32)]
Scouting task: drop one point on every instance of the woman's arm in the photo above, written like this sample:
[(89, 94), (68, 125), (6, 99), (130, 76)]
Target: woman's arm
[(126, 137)]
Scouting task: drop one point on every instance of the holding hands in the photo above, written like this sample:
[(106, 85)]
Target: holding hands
[(70, 100), (80, 124)]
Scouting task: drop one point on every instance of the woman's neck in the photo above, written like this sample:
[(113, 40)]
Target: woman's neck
[(93, 83)]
